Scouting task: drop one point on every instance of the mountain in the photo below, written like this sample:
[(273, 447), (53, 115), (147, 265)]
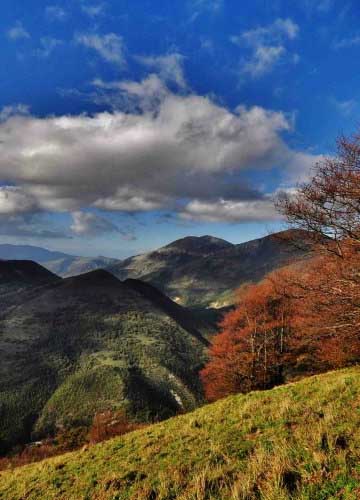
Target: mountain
[(20, 279), (24, 274), (205, 271), (58, 262), (29, 252), (194, 271), (72, 347), (72, 266), (299, 442)]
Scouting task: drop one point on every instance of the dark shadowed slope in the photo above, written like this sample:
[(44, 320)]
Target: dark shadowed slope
[(84, 344), (24, 273), (59, 263), (20, 279)]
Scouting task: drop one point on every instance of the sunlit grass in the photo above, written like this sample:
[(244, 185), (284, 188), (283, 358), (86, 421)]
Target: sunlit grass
[(300, 441)]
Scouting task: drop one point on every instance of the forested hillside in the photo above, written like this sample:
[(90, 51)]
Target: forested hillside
[(71, 348)]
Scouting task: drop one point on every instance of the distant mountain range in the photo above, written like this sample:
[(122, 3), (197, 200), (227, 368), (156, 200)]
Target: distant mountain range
[(60, 263), (193, 271), (72, 347)]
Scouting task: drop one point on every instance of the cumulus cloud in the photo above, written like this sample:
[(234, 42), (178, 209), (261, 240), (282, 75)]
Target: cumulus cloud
[(266, 44), (90, 224), (14, 200), (15, 109), (18, 32), (169, 67), (184, 151), (110, 46), (55, 13), (231, 210)]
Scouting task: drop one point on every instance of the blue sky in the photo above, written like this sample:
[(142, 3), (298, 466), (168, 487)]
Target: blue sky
[(127, 124)]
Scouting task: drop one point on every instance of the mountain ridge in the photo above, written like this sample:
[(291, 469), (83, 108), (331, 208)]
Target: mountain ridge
[(208, 276), (75, 346), (197, 271)]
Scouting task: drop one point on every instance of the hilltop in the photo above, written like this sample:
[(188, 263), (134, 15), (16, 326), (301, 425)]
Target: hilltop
[(205, 271), (73, 347), (298, 441)]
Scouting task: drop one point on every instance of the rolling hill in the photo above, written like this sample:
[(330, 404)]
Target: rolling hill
[(205, 271), (299, 442), (75, 346)]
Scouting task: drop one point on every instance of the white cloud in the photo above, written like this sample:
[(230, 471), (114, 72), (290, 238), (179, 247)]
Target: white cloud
[(55, 13), (90, 224), (14, 200), (15, 109), (131, 200), (48, 45), (185, 148), (18, 32), (263, 60), (346, 107), (169, 67), (275, 32), (198, 7), (349, 42), (231, 211), (131, 95), (94, 10), (267, 45), (110, 47)]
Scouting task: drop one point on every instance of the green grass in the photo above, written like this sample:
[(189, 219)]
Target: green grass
[(299, 441)]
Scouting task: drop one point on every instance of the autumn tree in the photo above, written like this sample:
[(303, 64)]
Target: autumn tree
[(327, 207), (285, 327), (249, 351)]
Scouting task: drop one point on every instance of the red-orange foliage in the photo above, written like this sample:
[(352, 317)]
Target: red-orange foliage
[(105, 425), (300, 320), (249, 351), (109, 424)]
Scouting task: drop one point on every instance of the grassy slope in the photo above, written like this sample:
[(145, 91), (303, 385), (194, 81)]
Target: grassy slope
[(299, 441)]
